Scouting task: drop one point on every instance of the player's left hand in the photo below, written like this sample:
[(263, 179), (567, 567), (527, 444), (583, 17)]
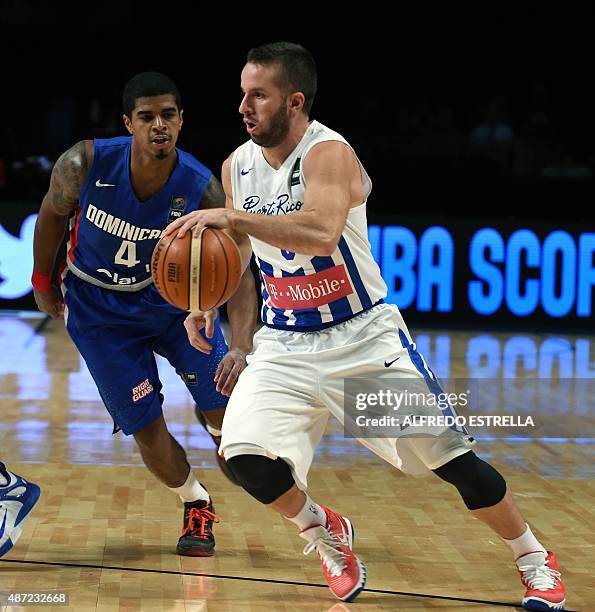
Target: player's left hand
[(229, 370), (218, 218)]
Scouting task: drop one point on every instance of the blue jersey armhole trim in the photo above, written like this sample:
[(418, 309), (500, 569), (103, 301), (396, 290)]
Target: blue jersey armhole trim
[(89, 171)]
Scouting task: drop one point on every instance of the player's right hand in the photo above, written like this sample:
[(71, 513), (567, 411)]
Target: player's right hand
[(50, 302), (218, 218), (194, 323)]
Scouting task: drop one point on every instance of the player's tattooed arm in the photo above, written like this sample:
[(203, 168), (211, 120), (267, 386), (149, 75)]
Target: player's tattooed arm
[(213, 196), (68, 176)]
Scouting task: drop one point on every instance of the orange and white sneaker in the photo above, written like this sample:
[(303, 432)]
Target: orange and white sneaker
[(344, 572), (545, 589)]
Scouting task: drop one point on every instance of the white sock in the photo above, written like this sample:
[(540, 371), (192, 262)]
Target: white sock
[(311, 514), (213, 430), (191, 490), (527, 550)]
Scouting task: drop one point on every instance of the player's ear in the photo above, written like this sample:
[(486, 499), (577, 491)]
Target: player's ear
[(296, 101), (127, 123), (181, 117)]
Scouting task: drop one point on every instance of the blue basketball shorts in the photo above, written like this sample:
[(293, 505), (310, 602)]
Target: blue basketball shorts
[(118, 332)]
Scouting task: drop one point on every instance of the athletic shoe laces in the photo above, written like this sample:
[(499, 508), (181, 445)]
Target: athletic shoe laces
[(198, 519), (329, 551), (539, 577)]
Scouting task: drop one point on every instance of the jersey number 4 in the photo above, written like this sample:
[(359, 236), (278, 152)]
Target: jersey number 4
[(126, 255)]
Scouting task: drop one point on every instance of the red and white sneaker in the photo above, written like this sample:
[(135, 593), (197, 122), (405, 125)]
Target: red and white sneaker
[(545, 590), (344, 572)]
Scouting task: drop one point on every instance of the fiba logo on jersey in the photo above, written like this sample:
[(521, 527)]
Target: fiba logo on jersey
[(176, 208)]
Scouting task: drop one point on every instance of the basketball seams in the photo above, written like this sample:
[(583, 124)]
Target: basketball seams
[(195, 271), (155, 265), (224, 251), (168, 296)]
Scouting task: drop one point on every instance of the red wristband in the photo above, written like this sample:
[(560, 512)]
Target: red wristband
[(41, 282)]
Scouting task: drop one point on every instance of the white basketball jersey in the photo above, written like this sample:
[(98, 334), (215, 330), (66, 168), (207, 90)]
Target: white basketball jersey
[(305, 292)]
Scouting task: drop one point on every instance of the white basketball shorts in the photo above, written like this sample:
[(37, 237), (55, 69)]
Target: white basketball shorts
[(295, 380)]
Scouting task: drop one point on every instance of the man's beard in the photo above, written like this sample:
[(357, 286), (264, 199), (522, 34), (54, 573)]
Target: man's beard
[(278, 130), (161, 155)]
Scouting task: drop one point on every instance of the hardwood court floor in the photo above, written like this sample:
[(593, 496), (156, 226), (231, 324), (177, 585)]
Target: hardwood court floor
[(105, 530)]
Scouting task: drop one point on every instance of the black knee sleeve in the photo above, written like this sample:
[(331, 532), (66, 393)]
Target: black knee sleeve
[(265, 479), (479, 484)]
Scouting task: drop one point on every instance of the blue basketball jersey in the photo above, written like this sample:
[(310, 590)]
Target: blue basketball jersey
[(112, 233)]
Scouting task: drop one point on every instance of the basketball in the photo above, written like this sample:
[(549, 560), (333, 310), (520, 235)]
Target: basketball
[(196, 272)]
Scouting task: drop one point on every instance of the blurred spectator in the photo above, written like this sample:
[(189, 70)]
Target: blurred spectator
[(105, 116), (409, 129), (58, 133), (31, 176), (492, 139), (444, 141), (567, 168), (537, 145)]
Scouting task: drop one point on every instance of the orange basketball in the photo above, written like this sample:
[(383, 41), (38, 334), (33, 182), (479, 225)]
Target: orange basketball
[(196, 273)]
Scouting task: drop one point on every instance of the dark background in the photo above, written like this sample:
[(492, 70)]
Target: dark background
[(417, 97)]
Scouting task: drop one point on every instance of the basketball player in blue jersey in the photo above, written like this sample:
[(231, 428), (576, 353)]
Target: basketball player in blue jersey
[(298, 191), (119, 194)]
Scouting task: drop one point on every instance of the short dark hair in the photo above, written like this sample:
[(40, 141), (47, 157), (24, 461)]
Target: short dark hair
[(297, 68), (147, 84)]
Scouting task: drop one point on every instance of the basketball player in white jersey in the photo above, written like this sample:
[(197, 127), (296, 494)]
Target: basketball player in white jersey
[(299, 192)]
